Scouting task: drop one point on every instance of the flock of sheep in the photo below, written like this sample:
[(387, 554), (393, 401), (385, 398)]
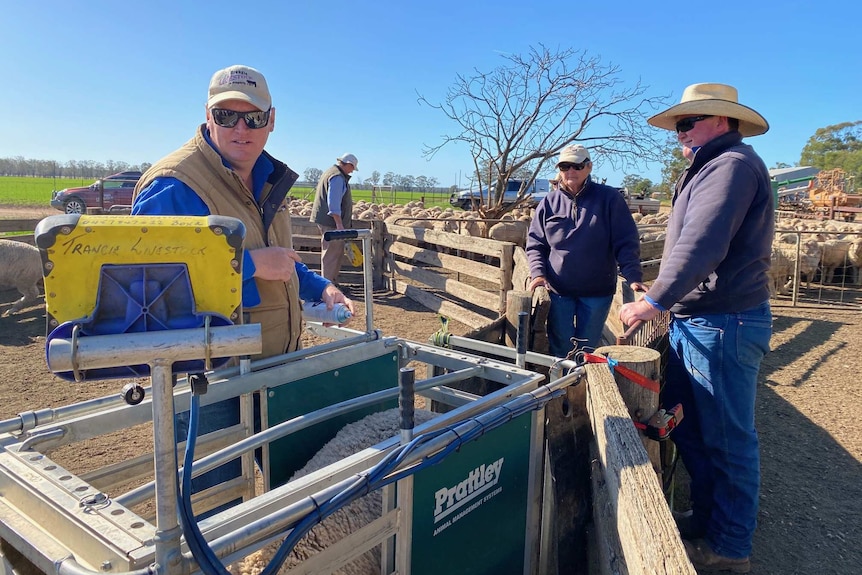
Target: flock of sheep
[(824, 247), (511, 227)]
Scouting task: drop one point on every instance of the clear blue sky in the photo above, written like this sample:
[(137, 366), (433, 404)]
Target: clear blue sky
[(126, 81)]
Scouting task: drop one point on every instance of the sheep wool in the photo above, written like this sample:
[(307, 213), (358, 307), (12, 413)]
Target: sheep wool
[(21, 269), (352, 438)]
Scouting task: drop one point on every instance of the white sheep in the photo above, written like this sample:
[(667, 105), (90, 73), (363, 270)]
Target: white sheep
[(834, 255), (352, 438), (781, 268), (810, 254), (854, 254), (514, 231), (21, 269)]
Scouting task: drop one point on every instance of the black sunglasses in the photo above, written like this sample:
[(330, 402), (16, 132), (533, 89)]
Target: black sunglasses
[(687, 124), (229, 118), (565, 166)]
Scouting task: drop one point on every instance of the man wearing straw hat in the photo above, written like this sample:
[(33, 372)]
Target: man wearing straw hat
[(713, 280)]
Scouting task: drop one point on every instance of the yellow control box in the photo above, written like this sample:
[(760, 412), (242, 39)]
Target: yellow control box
[(120, 260)]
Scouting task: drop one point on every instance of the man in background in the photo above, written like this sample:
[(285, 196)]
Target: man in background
[(332, 210)]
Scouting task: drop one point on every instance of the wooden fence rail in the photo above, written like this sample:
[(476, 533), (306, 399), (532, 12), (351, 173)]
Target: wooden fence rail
[(423, 264)]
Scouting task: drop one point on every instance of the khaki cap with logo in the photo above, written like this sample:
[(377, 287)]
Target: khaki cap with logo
[(239, 83)]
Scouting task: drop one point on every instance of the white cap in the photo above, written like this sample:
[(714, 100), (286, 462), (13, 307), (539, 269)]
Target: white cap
[(349, 159)]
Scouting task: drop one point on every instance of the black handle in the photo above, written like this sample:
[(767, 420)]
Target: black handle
[(523, 332), (340, 235), (406, 396)]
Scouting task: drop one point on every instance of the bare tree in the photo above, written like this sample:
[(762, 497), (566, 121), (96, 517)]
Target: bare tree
[(312, 175), (516, 118)]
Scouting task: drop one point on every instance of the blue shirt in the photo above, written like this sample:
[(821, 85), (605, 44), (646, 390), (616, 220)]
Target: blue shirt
[(171, 197), (337, 187)]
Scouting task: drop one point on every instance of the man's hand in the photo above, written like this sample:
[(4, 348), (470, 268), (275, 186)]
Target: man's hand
[(539, 281), (331, 295), (339, 224), (639, 310), (275, 263)]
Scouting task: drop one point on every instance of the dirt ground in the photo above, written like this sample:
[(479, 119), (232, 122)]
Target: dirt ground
[(809, 405)]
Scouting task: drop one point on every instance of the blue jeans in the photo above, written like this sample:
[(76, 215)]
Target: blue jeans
[(712, 370), (578, 318)]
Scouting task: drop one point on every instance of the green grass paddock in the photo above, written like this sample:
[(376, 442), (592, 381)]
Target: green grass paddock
[(19, 191)]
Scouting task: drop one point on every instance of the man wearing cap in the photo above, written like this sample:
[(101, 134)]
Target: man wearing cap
[(224, 170), (332, 210), (713, 280), (581, 233)]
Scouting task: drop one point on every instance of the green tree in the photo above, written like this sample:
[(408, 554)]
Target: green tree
[(673, 165), (516, 118), (838, 146), (637, 186)]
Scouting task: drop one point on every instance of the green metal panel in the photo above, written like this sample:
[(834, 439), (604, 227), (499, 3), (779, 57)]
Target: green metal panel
[(470, 510), (289, 454)]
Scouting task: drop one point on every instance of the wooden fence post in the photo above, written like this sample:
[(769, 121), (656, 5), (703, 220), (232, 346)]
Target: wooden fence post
[(507, 266), (516, 302), (641, 402)]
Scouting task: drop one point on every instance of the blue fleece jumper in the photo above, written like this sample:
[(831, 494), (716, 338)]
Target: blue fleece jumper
[(577, 242)]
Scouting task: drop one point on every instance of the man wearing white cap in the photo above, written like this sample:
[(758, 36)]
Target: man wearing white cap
[(332, 210), (224, 170), (713, 280)]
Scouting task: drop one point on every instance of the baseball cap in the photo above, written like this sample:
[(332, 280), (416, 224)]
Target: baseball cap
[(349, 159), (239, 83), (573, 155)]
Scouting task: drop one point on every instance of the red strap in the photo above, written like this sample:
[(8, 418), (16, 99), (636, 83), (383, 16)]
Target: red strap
[(627, 373)]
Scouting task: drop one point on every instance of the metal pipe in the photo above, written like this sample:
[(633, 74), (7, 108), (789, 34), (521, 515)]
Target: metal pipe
[(99, 351), (69, 566), (27, 420), (286, 517), (469, 344), (368, 280), (365, 236), (626, 337), (301, 353), (285, 428), (167, 536)]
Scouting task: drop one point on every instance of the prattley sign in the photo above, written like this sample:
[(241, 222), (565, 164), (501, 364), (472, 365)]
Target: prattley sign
[(470, 511), (467, 495)]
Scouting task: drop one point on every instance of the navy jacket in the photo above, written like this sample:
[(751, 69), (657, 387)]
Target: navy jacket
[(576, 242), (719, 235)]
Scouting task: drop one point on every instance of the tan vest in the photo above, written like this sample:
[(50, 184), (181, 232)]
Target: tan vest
[(200, 167)]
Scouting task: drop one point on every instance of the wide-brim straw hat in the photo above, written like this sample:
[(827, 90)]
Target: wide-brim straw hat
[(714, 100)]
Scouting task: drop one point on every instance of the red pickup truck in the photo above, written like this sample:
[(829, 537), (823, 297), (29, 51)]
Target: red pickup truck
[(112, 194)]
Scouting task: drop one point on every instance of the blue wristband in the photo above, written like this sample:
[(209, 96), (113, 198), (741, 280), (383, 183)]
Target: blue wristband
[(653, 303)]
